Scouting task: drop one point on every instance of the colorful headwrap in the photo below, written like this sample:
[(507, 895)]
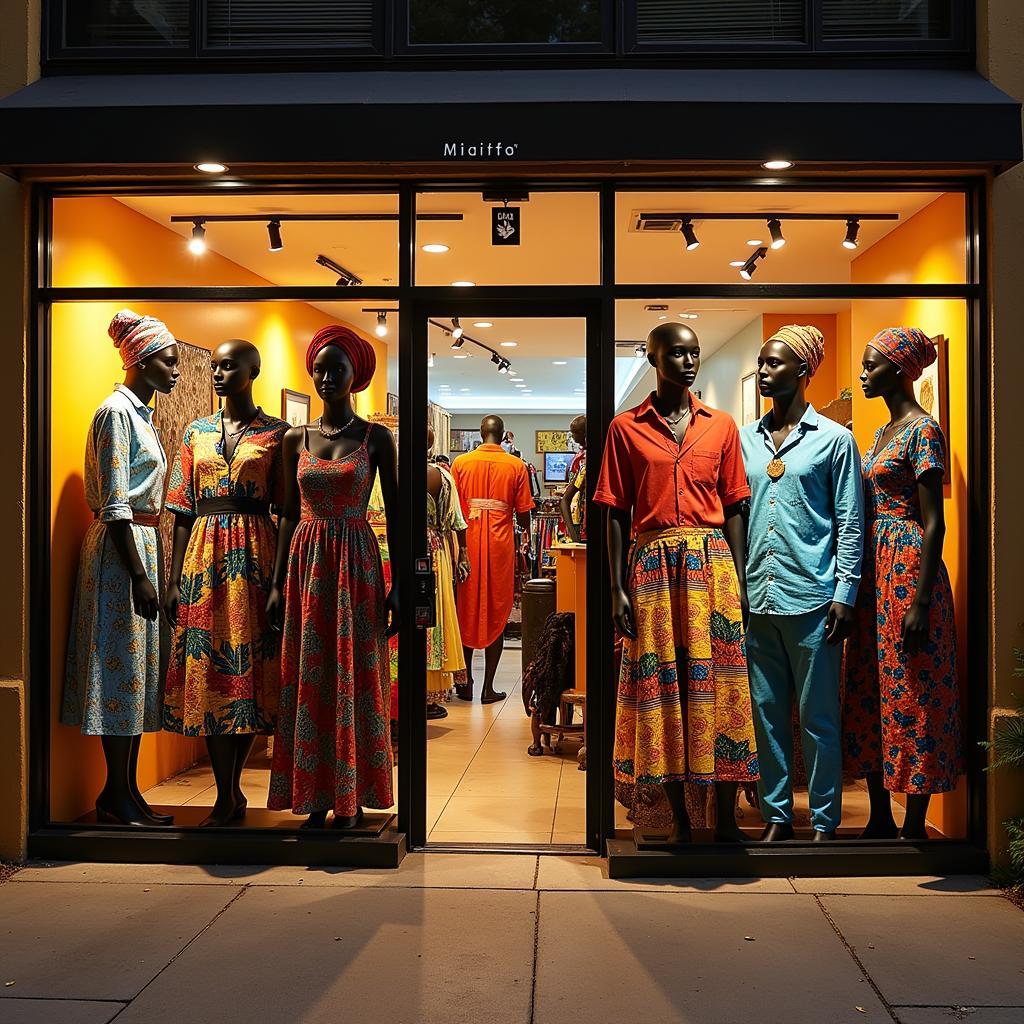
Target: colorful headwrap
[(807, 342), (136, 337), (359, 351), (908, 347)]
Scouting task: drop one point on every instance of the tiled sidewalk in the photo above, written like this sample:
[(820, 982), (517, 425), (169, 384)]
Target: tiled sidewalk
[(453, 938)]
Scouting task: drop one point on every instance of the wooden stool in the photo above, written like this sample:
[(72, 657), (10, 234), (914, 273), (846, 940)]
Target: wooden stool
[(542, 732)]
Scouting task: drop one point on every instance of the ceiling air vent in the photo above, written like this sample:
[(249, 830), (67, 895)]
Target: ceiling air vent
[(651, 220)]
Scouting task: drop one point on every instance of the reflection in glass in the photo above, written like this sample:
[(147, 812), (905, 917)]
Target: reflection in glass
[(504, 21), (126, 23)]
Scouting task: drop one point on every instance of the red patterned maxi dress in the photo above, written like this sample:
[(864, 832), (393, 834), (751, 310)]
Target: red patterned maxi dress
[(901, 712), (333, 745)]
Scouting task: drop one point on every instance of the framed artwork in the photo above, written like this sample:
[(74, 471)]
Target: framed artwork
[(556, 466), (932, 391), (294, 407), (749, 399), (464, 440), (552, 441), (392, 404)]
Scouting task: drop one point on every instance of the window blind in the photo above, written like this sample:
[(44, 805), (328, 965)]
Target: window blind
[(283, 24), (138, 24), (693, 21), (887, 19)]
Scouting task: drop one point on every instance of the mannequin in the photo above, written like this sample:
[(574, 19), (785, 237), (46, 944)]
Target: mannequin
[(672, 478), (803, 568), (328, 598), (446, 535), (492, 486), (223, 678), (901, 715), (112, 677), (575, 518)]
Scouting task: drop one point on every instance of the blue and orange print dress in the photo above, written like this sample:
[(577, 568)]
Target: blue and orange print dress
[(901, 712), (224, 677)]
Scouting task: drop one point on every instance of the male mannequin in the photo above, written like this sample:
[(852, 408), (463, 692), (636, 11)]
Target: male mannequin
[(803, 567), (492, 486), (575, 519)]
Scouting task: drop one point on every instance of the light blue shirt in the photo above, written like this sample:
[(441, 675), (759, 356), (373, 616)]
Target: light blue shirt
[(806, 531)]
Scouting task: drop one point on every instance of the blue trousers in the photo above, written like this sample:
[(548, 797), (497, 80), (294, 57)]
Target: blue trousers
[(788, 655)]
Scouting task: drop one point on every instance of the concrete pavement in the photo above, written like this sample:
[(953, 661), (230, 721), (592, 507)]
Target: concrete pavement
[(533, 940)]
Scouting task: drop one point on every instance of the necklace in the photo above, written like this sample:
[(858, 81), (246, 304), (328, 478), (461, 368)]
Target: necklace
[(330, 435), (241, 430), (775, 469)]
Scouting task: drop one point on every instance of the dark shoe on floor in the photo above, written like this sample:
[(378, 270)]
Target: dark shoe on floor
[(823, 837), (777, 832), (436, 711)]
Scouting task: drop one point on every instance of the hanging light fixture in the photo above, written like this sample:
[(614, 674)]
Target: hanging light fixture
[(504, 366), (496, 359), (775, 230), (748, 268), (381, 329), (852, 229), (274, 232), (456, 328), (458, 342), (197, 243), (692, 242), (640, 351)]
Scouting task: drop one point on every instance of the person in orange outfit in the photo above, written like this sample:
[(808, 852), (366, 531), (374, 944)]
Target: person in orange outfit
[(492, 486)]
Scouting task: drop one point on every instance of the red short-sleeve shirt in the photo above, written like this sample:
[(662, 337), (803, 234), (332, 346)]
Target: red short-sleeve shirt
[(669, 484)]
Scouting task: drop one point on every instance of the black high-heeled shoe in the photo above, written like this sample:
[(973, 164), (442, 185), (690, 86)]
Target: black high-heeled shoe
[(108, 817)]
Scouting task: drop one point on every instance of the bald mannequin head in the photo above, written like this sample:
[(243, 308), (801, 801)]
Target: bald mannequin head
[(492, 429), (673, 349), (235, 364), (578, 429)]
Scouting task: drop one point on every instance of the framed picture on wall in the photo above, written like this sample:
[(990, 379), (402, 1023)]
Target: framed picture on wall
[(749, 399), (392, 404), (552, 441), (463, 440), (294, 407), (932, 392)]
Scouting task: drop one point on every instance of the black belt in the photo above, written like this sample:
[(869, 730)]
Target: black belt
[(237, 506)]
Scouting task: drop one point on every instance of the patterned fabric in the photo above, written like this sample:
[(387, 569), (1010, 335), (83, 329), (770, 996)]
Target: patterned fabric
[(908, 347), (808, 343), (683, 710), (578, 478), (332, 748), (223, 676), (901, 714), (376, 518), (112, 674), (135, 336), (446, 663)]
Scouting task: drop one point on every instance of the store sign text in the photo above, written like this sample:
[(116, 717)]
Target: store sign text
[(480, 150)]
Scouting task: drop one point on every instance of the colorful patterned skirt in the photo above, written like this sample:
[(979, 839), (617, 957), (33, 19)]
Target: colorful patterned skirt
[(381, 533), (332, 748), (446, 663), (683, 711), (901, 713), (224, 673)]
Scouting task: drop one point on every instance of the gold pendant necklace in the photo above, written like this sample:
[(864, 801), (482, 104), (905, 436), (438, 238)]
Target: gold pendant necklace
[(775, 469)]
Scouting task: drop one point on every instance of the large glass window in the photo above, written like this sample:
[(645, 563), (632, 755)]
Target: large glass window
[(504, 21), (768, 21), (102, 24), (865, 20)]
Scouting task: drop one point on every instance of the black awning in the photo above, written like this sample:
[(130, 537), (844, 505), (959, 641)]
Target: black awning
[(863, 117)]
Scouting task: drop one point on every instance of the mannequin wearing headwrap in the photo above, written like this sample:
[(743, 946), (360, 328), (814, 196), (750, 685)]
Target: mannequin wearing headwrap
[(901, 714), (332, 747), (804, 549), (112, 682)]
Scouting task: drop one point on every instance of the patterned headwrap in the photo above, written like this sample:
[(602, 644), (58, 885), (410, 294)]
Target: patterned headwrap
[(135, 336), (807, 342), (359, 351), (908, 347)]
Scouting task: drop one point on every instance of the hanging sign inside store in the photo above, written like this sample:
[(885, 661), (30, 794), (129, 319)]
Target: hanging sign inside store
[(505, 225)]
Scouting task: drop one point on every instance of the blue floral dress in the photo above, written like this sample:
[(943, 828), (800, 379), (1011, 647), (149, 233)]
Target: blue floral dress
[(112, 681), (901, 713)]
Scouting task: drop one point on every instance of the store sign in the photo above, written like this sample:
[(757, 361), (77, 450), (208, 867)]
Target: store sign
[(480, 150), (505, 225)]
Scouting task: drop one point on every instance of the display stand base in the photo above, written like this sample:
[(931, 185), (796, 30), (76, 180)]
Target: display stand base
[(652, 858)]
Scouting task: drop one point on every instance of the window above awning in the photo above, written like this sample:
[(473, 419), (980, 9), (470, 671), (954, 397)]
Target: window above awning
[(871, 118)]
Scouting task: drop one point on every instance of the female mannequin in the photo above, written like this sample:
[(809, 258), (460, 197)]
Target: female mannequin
[(573, 502), (901, 715), (328, 595), (446, 530), (673, 476), (223, 677), (112, 678)]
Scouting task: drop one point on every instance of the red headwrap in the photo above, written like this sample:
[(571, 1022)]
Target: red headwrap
[(359, 351), (908, 347)]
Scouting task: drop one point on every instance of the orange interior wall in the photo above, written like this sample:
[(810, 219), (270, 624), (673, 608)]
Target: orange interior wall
[(930, 248), (96, 242), (822, 387)]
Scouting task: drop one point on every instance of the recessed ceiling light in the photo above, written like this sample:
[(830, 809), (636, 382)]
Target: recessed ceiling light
[(528, 391), (754, 241), (464, 389), (580, 391), (460, 355), (515, 378), (463, 284), (737, 263), (483, 323), (520, 385), (777, 165), (211, 167), (435, 247), (559, 362), (509, 344), (664, 316)]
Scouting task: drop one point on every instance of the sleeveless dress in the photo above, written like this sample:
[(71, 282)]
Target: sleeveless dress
[(333, 742), (901, 712)]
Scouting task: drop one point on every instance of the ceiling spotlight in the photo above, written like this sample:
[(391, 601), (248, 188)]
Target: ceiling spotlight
[(777, 165), (509, 344), (504, 366), (457, 343), (850, 241), (456, 328), (463, 284), (197, 243), (274, 231), (640, 351), (559, 362), (496, 359), (381, 329), (747, 271), (755, 241), (775, 230), (435, 247), (482, 323), (460, 355), (692, 242), (211, 167), (430, 363)]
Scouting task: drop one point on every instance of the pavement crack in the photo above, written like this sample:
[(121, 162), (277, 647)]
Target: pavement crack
[(536, 953)]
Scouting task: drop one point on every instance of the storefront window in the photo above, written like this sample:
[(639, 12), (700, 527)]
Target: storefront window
[(769, 21), (115, 24), (887, 19), (466, 22)]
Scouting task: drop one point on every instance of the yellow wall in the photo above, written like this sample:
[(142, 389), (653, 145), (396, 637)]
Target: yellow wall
[(930, 248), (85, 366)]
